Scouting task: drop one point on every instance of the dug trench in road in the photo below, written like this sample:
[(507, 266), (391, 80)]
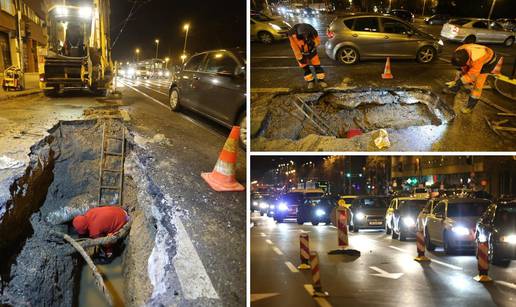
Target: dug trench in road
[(351, 281)]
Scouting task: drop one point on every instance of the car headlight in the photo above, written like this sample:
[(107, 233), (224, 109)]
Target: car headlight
[(440, 42), (360, 216), (160, 73), (319, 212), (275, 27), (460, 230), (167, 74), (283, 207), (255, 203), (511, 239), (263, 205), (409, 221), (85, 12)]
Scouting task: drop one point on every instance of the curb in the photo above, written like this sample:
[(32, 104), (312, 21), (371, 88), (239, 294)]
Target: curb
[(13, 95)]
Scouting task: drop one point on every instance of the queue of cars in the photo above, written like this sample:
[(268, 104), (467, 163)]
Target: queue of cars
[(455, 223)]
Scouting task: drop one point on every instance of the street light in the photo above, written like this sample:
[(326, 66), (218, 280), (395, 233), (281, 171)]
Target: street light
[(137, 54), (167, 59), (186, 27), (157, 47), (491, 10), (183, 58)]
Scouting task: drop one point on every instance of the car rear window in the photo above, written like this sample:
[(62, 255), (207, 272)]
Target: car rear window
[(292, 197), (349, 23), (367, 24), (466, 209), (459, 21)]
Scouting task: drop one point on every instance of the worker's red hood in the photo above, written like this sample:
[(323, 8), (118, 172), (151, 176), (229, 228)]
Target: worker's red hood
[(80, 223)]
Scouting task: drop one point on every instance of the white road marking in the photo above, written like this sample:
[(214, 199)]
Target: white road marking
[(291, 267), (191, 273), (505, 283), (385, 274), (321, 301), (445, 60), (451, 266), (277, 250), (268, 241), (263, 234), (260, 296), (333, 226), (400, 249)]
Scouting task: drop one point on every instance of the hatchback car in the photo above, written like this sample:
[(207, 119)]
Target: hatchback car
[(266, 29), (452, 224), (368, 212), (477, 30), (497, 227), (402, 14), (400, 219), (374, 36), (316, 210), (287, 205), (213, 83), (437, 19)]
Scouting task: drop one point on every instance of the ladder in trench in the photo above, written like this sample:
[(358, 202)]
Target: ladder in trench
[(111, 174)]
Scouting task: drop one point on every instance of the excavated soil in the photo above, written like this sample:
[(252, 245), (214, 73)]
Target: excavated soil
[(339, 111)]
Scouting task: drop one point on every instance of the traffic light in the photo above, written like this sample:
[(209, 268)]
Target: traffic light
[(348, 175)]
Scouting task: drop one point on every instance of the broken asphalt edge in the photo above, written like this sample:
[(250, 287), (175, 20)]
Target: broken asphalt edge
[(13, 95)]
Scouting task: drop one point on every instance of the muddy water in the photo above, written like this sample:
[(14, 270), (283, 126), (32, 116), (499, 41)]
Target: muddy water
[(89, 295)]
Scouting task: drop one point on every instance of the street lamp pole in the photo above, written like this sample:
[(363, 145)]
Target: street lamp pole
[(424, 3), (186, 27), (157, 47), (137, 51), (491, 10)]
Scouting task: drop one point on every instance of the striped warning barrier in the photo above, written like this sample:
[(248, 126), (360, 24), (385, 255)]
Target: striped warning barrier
[(304, 251), (342, 225), (483, 263), (316, 276), (420, 244)]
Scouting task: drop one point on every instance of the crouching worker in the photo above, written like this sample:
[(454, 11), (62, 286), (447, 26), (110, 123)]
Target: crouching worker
[(475, 63), (100, 222), (304, 41)]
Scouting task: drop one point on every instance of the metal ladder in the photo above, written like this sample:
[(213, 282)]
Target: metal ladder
[(115, 174)]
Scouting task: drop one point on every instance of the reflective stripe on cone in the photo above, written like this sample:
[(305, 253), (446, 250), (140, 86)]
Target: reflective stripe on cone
[(316, 275), (304, 251), (342, 225)]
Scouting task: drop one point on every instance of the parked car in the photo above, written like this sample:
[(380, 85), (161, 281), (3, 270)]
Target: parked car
[(402, 14), (260, 202), (437, 19), (421, 217), (507, 23), (266, 29), (452, 224), (316, 210), (213, 83), (287, 205), (373, 36), (309, 12), (477, 30), (400, 219), (368, 212), (497, 227)]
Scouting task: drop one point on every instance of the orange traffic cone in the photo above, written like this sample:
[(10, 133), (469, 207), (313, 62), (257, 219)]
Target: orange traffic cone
[(387, 71), (222, 178), (498, 68)]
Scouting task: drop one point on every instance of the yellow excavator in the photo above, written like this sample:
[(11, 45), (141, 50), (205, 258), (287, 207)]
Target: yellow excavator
[(79, 51)]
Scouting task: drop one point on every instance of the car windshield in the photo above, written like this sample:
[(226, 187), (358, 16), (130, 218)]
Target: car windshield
[(373, 203), (459, 21), (506, 215), (466, 209), (292, 197), (412, 206), (261, 17)]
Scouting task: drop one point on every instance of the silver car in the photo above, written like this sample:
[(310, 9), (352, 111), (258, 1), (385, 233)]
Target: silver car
[(477, 30), (368, 36)]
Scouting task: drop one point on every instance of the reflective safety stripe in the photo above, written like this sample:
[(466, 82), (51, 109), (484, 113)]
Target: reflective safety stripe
[(309, 77), (321, 76), (476, 92), (224, 168)]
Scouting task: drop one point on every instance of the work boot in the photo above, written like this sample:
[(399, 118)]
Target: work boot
[(310, 85), (323, 84), (472, 102)]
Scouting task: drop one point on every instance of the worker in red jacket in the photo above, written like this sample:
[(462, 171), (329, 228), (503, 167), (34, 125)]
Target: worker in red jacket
[(475, 62), (100, 222), (304, 41)]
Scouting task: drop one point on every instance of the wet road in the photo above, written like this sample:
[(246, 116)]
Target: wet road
[(446, 281), (273, 69)]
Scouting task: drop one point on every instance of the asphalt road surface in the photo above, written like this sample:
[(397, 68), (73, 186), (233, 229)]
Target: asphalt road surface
[(385, 273)]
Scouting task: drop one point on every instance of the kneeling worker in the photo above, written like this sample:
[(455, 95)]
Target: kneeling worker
[(304, 41), (475, 62), (100, 222)]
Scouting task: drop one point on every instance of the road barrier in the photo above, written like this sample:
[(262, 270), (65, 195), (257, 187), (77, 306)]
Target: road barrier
[(498, 68), (420, 244), (483, 263), (387, 71), (222, 178), (316, 276), (304, 251), (342, 235)]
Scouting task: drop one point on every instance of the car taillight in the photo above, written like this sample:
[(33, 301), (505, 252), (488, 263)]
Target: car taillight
[(41, 77), (330, 34)]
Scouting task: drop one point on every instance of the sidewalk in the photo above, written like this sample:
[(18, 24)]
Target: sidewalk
[(14, 94)]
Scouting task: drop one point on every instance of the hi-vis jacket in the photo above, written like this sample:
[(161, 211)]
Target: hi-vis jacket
[(478, 56)]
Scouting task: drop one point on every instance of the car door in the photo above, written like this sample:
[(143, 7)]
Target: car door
[(497, 33), (481, 31), (399, 39), (187, 80), (366, 35), (435, 222), (221, 86)]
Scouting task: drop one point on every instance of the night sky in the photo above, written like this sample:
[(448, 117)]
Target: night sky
[(213, 24), (261, 164)]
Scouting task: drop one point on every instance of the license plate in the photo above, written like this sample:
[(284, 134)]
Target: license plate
[(375, 223)]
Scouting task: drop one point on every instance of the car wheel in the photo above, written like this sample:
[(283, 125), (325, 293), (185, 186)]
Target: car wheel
[(265, 37), (448, 250), (388, 230), (426, 55), (394, 235), (300, 221), (347, 55), (261, 213), (402, 236), (355, 227), (470, 39), (509, 42), (315, 223), (242, 122), (429, 245), (173, 99)]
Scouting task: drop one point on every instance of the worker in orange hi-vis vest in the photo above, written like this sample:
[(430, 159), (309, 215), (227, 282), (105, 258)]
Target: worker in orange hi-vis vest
[(475, 62), (304, 40)]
